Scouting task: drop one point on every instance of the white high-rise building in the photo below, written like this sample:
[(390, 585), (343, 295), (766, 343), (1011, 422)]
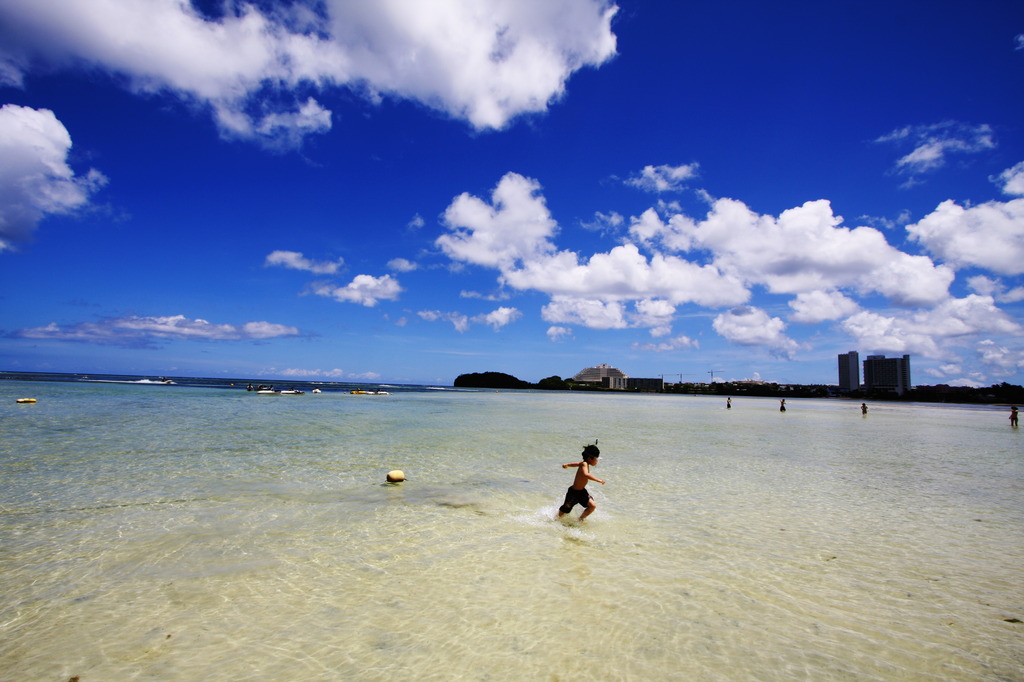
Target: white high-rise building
[(849, 372), (597, 374), (887, 374)]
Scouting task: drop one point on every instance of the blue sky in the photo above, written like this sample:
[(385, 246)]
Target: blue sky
[(407, 191)]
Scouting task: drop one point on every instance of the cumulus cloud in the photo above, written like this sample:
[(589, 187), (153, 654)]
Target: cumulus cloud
[(498, 318), (932, 332), (249, 64), (655, 314), (296, 261), (597, 313), (365, 290), (501, 317), (819, 306), (1012, 180), (1000, 360), (35, 179), (624, 274), (995, 288), (805, 249), (557, 333), (514, 233), (515, 226), (593, 313), (134, 331), (806, 252), (989, 235), (750, 326), (932, 144), (664, 178)]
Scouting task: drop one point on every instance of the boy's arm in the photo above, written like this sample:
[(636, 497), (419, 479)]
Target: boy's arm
[(571, 464), (592, 477)]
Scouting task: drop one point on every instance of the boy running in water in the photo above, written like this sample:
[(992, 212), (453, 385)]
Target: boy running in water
[(578, 493)]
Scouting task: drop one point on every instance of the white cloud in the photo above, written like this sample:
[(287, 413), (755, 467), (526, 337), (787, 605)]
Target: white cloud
[(750, 326), (401, 265), (931, 332), (501, 317), (136, 331), (497, 318), (296, 261), (1000, 360), (592, 313), (1012, 180), (458, 320), (35, 179), (604, 222), (819, 306), (485, 67), (656, 314), (300, 373), (306, 373), (625, 274), (287, 129), (494, 296), (806, 249), (933, 143), (989, 235), (649, 227), (556, 333), (513, 234), (515, 226), (365, 290), (995, 288), (664, 178), (678, 343)]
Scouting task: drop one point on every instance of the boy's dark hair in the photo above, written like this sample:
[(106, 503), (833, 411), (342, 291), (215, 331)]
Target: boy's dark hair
[(591, 452)]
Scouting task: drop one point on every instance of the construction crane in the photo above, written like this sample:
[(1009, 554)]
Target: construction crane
[(712, 373)]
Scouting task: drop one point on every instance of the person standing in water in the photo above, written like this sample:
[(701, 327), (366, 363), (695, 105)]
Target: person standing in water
[(728, 403), (782, 405), (1013, 416), (577, 492), (863, 408)]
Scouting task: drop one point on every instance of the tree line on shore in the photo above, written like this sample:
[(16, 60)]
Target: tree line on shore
[(1003, 393)]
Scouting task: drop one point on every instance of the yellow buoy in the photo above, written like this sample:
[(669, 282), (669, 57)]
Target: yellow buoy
[(396, 476), (32, 400)]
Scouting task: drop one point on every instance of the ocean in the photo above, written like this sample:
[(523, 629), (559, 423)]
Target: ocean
[(198, 531)]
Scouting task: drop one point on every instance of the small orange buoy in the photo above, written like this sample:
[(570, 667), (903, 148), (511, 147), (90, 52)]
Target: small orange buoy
[(26, 400), (396, 476)]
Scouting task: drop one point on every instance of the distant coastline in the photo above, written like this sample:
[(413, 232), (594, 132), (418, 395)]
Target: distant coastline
[(996, 394)]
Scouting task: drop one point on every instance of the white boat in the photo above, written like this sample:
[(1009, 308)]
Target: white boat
[(151, 382), (274, 391)]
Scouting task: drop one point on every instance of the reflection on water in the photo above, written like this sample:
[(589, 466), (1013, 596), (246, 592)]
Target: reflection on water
[(199, 534)]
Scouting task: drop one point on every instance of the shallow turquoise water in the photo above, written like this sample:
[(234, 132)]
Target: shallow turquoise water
[(178, 533)]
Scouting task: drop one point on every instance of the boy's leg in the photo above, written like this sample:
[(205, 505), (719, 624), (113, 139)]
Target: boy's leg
[(591, 506)]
